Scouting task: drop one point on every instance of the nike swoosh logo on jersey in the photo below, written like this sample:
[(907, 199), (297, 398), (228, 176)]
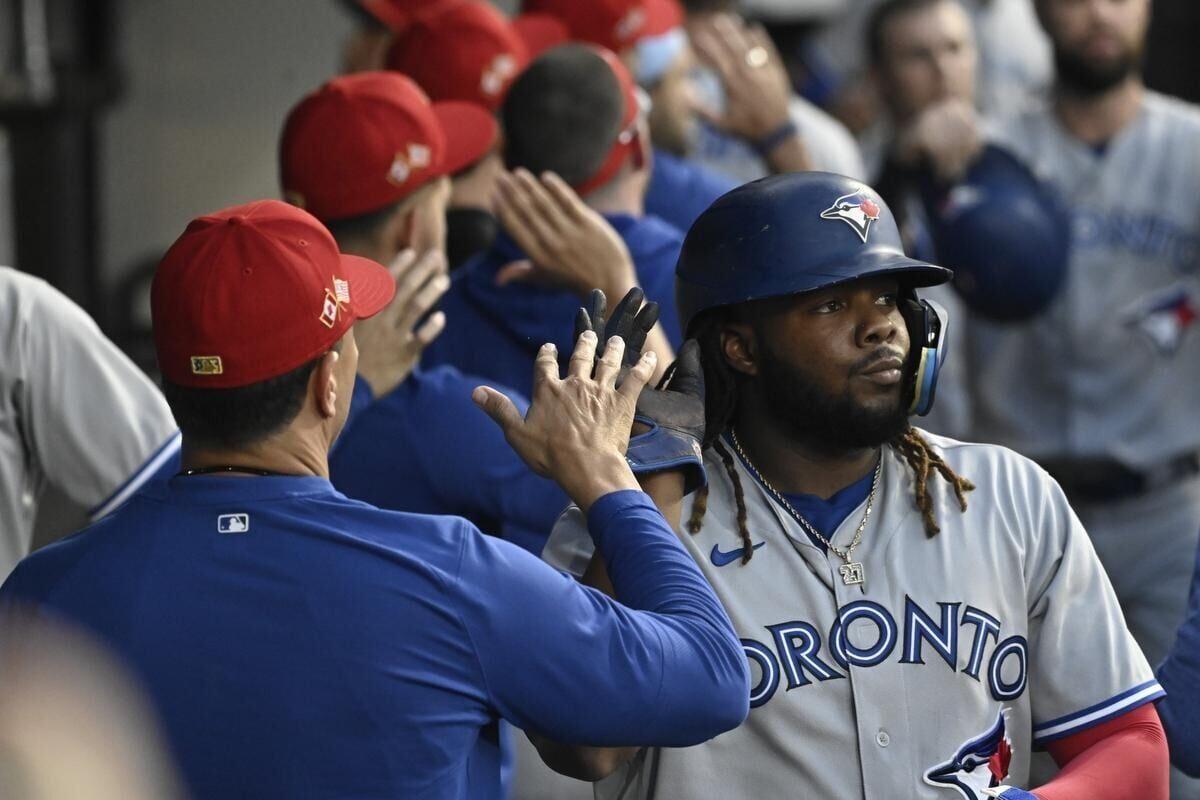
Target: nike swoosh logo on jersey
[(721, 558)]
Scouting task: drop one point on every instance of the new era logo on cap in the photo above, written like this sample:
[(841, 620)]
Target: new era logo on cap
[(207, 365)]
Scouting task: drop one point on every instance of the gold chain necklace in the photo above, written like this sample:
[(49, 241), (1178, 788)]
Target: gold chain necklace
[(853, 572)]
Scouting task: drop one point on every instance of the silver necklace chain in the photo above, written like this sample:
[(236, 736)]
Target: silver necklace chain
[(852, 571)]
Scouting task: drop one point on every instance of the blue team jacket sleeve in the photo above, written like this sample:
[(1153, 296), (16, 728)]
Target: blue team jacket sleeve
[(568, 662), (1179, 675)]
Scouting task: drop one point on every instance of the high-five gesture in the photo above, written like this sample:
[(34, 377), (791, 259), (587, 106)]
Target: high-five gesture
[(577, 426)]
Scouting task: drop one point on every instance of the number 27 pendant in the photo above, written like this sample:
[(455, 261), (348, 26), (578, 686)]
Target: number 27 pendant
[(852, 573)]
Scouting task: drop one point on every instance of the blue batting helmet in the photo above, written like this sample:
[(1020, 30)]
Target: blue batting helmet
[(788, 234), (800, 232), (1005, 235)]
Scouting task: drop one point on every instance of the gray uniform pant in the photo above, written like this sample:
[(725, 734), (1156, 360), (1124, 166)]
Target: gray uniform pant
[(1148, 547)]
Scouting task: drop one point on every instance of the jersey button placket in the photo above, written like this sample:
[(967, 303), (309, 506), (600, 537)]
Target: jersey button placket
[(882, 738)]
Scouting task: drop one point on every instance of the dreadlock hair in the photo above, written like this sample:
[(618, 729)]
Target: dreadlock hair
[(721, 383)]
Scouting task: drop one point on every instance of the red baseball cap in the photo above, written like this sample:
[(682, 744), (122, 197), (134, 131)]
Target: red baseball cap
[(615, 24), (662, 16), (252, 292), (469, 51), (362, 142), (627, 143)]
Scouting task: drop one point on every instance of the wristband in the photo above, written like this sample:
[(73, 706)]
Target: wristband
[(768, 143), (661, 449)]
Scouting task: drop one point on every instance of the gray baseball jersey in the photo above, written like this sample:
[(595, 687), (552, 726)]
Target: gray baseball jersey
[(1112, 369), (74, 411), (933, 680)]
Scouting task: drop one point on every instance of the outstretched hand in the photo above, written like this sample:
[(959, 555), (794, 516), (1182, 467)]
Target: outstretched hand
[(577, 426)]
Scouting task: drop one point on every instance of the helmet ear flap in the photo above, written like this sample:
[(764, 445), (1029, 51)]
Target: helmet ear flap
[(928, 324)]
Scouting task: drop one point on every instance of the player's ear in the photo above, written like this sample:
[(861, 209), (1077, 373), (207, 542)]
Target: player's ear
[(739, 345), (324, 385)]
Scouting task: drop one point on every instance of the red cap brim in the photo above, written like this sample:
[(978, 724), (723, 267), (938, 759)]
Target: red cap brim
[(371, 285), (471, 133), (662, 16), (540, 32)]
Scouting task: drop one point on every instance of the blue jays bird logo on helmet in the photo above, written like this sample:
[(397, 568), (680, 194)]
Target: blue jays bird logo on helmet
[(981, 763), (857, 210)]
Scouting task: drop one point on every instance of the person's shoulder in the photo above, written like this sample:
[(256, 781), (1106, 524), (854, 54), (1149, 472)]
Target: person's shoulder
[(29, 298), (991, 461), (1175, 112)]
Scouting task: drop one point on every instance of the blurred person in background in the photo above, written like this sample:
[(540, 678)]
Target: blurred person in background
[(1102, 388), (576, 140), (1015, 63), (370, 156), (75, 412), (470, 52), (73, 722), (754, 124)]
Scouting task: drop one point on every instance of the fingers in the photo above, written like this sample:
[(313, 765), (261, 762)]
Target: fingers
[(537, 213), (568, 201), (500, 408), (422, 301), (430, 329), (646, 319), (609, 365), (545, 366), (584, 356), (637, 378), (402, 263), (622, 321), (583, 323), (597, 309), (516, 213)]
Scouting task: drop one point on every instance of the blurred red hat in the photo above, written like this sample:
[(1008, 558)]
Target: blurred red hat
[(362, 142), (614, 24), (469, 51)]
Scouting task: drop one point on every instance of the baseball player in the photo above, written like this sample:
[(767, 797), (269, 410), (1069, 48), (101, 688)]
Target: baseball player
[(574, 113), (301, 644), (468, 51), (1102, 388), (918, 613), (369, 156), (74, 412)]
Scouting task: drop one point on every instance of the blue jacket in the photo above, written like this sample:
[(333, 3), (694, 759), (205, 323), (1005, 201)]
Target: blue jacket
[(681, 190), (1179, 675), (427, 448), (495, 331), (300, 644)]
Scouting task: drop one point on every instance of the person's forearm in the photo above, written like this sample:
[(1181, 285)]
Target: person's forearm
[(1131, 761), (666, 491)]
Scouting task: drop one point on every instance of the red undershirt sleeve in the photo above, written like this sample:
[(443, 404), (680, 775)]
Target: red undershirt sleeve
[(1122, 758)]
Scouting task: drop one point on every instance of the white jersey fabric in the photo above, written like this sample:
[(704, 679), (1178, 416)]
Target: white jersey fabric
[(74, 411), (933, 681), (1112, 368)]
